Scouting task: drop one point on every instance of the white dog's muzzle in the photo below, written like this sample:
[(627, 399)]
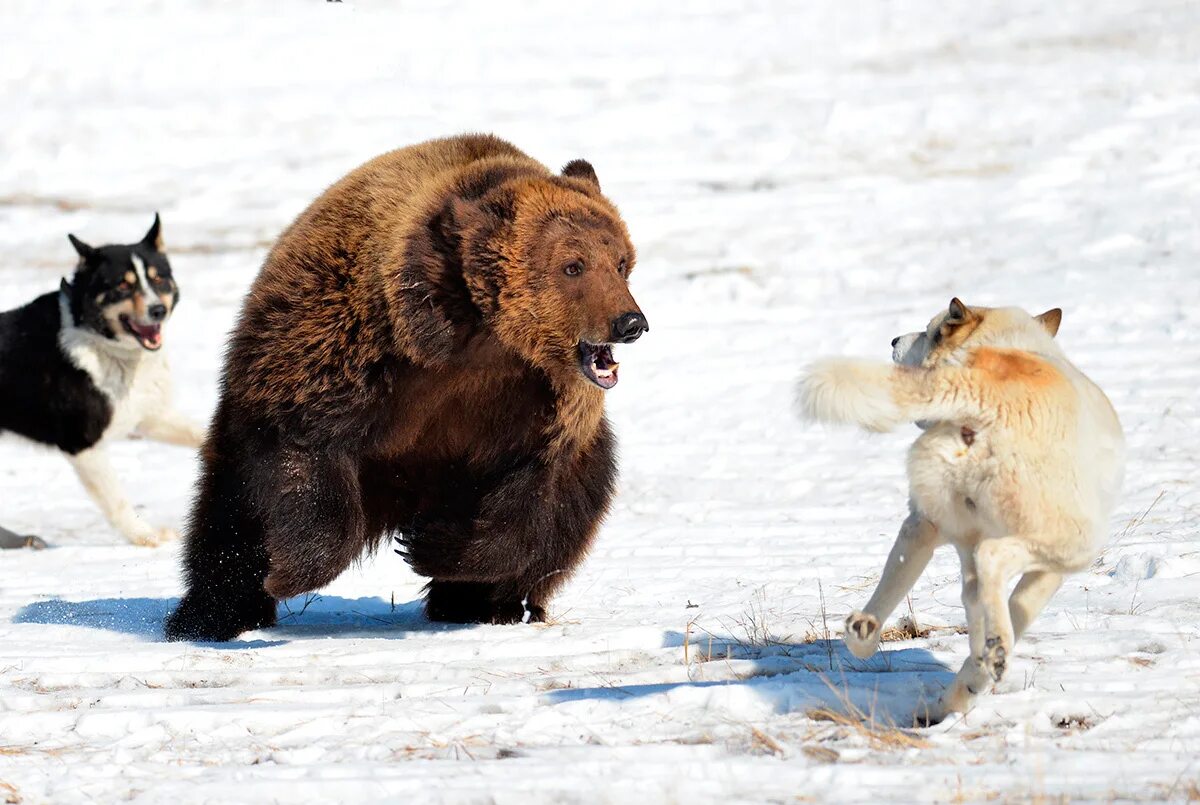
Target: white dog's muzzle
[(909, 349)]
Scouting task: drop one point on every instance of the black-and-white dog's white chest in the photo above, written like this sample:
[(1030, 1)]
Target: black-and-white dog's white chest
[(136, 384)]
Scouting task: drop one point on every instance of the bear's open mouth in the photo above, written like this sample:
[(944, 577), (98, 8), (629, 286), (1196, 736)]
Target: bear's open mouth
[(597, 364), (148, 335)]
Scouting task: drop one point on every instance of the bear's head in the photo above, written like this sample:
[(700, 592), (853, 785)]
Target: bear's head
[(546, 260)]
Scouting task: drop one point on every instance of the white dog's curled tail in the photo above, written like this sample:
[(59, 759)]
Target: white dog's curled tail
[(878, 396), (849, 392)]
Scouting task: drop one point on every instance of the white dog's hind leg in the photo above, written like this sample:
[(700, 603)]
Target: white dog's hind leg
[(998, 561), (172, 427), (972, 678), (1030, 597), (98, 479), (909, 556)]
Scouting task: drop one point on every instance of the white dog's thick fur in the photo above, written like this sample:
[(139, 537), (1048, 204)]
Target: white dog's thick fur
[(1018, 468)]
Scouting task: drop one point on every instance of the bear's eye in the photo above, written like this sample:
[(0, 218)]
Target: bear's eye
[(623, 267), (573, 268)]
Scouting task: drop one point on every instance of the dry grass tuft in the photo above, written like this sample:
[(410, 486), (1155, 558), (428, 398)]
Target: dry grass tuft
[(821, 754), (879, 735), (909, 628), (906, 628), (766, 742)]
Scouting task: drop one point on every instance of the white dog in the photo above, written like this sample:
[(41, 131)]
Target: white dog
[(1019, 468)]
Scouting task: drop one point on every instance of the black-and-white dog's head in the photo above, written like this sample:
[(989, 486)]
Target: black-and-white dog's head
[(124, 293)]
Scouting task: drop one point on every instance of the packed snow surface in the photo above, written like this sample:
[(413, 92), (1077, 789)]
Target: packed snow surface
[(800, 179)]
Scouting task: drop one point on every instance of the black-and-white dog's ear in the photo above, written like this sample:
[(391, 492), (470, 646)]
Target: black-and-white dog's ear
[(153, 238), (82, 249), (64, 286)]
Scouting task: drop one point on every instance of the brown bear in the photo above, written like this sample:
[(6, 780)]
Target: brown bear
[(424, 354)]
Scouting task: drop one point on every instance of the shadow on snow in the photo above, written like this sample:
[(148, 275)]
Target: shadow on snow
[(299, 618), (796, 677)]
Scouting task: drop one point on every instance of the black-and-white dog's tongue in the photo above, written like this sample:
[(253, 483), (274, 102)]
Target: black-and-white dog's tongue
[(149, 335)]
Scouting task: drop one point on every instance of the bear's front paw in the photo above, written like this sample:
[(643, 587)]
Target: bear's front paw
[(862, 634), (476, 602), (435, 554)]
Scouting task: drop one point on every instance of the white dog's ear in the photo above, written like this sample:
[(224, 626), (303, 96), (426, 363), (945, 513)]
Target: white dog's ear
[(1050, 320), (958, 311)]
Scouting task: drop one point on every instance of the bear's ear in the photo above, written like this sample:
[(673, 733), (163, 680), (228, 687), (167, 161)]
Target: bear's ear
[(581, 169), (1051, 319)]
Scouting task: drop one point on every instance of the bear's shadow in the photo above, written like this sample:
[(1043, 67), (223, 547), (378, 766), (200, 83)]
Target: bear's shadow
[(820, 676), (300, 618)]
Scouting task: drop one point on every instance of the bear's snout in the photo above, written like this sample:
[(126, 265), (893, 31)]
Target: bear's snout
[(628, 327)]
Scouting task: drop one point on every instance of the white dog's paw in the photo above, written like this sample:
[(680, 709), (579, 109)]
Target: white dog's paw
[(928, 714), (995, 657), (153, 537), (862, 634)]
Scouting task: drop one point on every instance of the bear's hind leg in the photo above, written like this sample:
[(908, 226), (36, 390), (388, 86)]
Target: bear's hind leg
[(315, 525)]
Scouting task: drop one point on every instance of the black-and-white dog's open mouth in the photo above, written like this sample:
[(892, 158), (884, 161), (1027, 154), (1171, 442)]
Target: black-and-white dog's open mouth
[(148, 335), (597, 364)]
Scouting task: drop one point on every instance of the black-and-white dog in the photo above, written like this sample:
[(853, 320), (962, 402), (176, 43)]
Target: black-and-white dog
[(83, 366)]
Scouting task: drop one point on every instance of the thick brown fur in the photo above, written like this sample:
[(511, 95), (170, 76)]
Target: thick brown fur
[(407, 363)]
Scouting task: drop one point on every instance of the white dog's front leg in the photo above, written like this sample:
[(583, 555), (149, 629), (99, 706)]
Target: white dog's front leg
[(909, 556), (96, 474), (172, 427)]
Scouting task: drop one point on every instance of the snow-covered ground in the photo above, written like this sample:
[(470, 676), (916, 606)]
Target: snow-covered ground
[(800, 179)]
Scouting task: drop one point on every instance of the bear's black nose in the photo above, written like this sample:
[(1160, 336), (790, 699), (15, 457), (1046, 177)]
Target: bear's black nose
[(158, 312), (628, 327), (895, 341)]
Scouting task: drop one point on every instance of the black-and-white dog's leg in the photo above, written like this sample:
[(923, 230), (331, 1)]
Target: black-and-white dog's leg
[(97, 476), (172, 427)]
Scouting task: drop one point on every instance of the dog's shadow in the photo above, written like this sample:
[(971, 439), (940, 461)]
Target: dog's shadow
[(305, 617), (820, 678)]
